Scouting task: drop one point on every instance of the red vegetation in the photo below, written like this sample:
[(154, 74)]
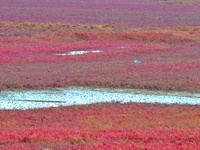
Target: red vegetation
[(170, 60), (102, 126), (170, 56), (160, 13)]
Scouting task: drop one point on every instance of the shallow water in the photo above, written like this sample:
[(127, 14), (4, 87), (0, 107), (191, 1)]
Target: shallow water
[(78, 52), (53, 97)]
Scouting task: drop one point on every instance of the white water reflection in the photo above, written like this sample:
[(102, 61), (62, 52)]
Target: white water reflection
[(53, 97), (78, 52)]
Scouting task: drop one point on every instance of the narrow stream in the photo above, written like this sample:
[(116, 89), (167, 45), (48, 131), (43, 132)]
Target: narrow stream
[(53, 97)]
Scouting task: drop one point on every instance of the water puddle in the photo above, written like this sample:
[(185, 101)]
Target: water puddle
[(53, 97), (78, 52), (122, 47), (61, 54)]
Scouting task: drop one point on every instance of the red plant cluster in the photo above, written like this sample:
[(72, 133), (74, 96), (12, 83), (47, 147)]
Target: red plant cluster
[(122, 12), (170, 60), (169, 56), (102, 126)]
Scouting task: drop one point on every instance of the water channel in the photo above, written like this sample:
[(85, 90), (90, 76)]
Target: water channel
[(53, 97)]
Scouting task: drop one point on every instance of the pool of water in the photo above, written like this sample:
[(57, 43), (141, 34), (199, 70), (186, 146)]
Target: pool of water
[(53, 97), (78, 52)]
